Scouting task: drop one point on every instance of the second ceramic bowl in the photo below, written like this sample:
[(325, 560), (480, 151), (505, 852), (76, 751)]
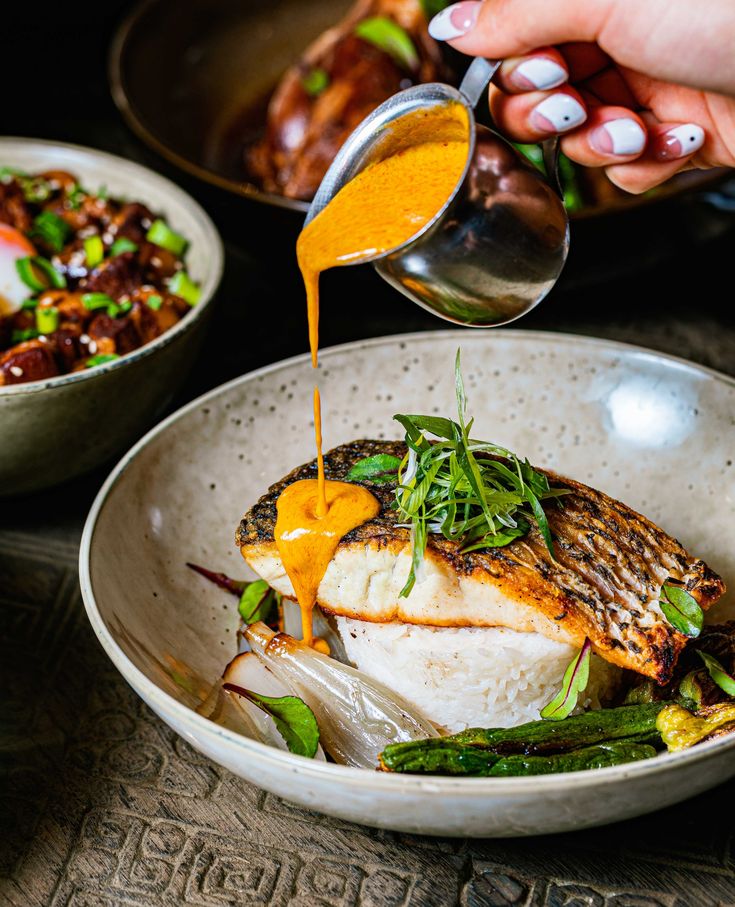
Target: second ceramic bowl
[(54, 430)]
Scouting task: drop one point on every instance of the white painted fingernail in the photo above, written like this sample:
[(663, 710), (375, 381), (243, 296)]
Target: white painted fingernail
[(539, 73), (679, 142), (558, 113), (454, 21), (625, 136)]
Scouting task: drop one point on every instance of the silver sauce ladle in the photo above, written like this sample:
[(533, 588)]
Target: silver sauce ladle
[(498, 245)]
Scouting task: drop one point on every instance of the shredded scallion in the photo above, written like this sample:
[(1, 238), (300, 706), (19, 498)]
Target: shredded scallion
[(470, 491)]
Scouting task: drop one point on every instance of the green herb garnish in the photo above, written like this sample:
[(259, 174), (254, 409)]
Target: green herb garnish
[(100, 359), (315, 81), (160, 234), (22, 336), (257, 602), (380, 470), (51, 229), (719, 675), (35, 189), (123, 244), (10, 173), (575, 680), (388, 36), (47, 319), (681, 610), (94, 250), (94, 301), (470, 491), (28, 304), (292, 716), (182, 285), (39, 274), (75, 197), (154, 302)]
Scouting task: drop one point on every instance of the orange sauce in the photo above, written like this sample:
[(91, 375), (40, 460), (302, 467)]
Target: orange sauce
[(381, 208), (307, 542)]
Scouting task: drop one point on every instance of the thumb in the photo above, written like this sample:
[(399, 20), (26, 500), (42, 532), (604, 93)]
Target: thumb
[(508, 28)]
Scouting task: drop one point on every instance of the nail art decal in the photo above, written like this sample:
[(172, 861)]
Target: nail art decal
[(539, 73), (679, 142), (454, 21), (558, 113), (624, 137)]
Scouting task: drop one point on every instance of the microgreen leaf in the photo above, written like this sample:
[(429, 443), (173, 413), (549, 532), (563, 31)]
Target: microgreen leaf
[(292, 716), (575, 680), (380, 469), (470, 491), (257, 601), (681, 610), (235, 586), (718, 674), (388, 36), (315, 81)]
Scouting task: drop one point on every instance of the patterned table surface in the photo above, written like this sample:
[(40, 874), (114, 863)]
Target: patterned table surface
[(101, 804)]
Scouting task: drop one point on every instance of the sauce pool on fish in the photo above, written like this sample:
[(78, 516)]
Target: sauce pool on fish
[(382, 208)]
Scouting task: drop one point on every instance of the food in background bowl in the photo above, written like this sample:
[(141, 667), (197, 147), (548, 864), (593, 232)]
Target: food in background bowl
[(379, 48), (59, 427), (84, 277)]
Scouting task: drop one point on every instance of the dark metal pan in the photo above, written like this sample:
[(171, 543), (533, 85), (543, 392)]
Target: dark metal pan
[(193, 77)]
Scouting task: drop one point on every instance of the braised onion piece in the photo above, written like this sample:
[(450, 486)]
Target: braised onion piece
[(247, 671), (357, 716)]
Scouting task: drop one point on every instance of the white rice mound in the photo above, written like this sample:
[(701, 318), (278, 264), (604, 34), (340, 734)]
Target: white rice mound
[(470, 676)]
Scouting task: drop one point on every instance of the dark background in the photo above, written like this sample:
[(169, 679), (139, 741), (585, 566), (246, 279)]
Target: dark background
[(663, 281)]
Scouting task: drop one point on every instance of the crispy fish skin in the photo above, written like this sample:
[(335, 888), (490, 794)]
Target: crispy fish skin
[(604, 584)]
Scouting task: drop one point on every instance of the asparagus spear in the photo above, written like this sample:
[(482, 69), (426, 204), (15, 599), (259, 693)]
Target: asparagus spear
[(598, 756), (447, 757), (539, 737)]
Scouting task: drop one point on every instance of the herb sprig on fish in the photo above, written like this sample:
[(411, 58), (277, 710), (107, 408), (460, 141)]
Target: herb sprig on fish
[(471, 491)]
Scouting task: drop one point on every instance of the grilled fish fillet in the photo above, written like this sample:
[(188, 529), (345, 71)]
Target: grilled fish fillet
[(604, 584)]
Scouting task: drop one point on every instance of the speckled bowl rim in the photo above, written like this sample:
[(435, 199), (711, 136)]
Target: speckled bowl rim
[(215, 256), (434, 785)]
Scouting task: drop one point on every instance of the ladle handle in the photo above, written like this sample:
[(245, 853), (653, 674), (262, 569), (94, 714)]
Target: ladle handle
[(477, 78), (550, 151)]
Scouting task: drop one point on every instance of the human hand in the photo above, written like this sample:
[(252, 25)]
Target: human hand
[(643, 89)]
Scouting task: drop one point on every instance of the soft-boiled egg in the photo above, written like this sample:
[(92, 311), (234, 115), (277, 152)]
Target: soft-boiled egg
[(13, 245)]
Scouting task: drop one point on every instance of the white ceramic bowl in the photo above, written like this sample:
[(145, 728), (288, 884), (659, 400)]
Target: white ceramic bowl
[(652, 430), (55, 429)]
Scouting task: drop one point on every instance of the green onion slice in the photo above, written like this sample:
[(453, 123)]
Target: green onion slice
[(160, 234), (29, 304), (47, 319), (315, 81), (154, 302), (182, 285), (39, 274), (100, 359), (388, 36), (51, 229), (94, 301), (21, 336), (123, 245), (94, 250)]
